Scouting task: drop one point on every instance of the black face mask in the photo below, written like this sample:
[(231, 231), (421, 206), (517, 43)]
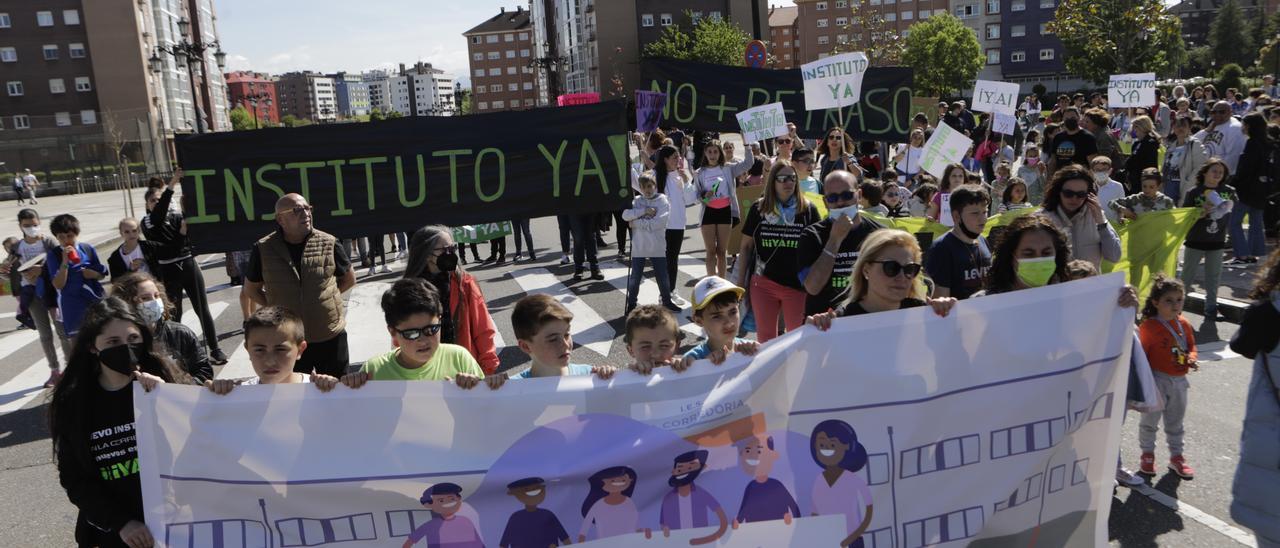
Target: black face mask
[(1071, 124), (968, 233), (447, 262), (122, 358)]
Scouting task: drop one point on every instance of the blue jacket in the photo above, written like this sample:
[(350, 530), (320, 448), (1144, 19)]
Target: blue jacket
[(1257, 481)]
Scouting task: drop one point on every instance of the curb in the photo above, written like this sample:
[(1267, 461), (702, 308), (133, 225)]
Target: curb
[(1229, 309)]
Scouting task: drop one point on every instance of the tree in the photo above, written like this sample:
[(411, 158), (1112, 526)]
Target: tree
[(869, 33), (1269, 57), (944, 54), (713, 40), (241, 119), (1231, 36), (463, 97), (1230, 78), (290, 120), (1105, 37)]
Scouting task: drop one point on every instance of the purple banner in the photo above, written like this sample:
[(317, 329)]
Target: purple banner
[(649, 107)]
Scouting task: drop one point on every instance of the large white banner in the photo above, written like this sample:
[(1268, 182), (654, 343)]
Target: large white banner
[(833, 82), (981, 428)]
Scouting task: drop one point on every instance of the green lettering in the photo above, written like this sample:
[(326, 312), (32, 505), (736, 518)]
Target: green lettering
[(368, 173), (422, 183), (263, 182), (692, 102), (502, 174), (757, 97), (342, 210), (870, 102), (202, 214), (720, 109), (621, 152), (302, 168), (453, 169), (901, 94), (596, 169), (655, 86), (236, 189), (555, 165)]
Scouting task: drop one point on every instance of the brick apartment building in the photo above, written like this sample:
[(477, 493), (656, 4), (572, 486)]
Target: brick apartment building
[(784, 41), (256, 92), (307, 95), (824, 23), (500, 50)]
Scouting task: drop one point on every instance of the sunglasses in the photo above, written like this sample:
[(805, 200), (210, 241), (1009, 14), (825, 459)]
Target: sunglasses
[(893, 268), (417, 332), (300, 210), (1076, 194), (836, 197), (783, 141), (836, 137), (785, 178)]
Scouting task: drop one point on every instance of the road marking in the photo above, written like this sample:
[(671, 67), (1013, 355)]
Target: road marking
[(192, 320), (1215, 351), (364, 312), (589, 328), (7, 314), (28, 384), (1234, 533), (616, 275)]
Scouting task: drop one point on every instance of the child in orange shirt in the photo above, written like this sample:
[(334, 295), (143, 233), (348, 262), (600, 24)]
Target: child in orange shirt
[(1169, 342)]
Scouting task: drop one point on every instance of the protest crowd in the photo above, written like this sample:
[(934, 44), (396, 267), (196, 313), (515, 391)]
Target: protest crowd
[(823, 240)]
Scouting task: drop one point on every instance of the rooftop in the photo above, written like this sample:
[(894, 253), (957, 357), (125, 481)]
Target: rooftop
[(502, 22)]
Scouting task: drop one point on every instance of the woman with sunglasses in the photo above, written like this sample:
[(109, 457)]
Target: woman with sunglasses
[(465, 320), (1071, 203), (719, 197), (885, 277), (783, 147), (908, 155), (835, 151), (772, 231)]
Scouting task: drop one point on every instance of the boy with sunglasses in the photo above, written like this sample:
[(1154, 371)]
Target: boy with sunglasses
[(829, 248)]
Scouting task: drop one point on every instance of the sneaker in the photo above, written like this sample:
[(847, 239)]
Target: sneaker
[(577, 274), (26, 321), (1128, 479), (1236, 262), (679, 301), (517, 257), (1251, 260), (373, 270), (532, 257), (386, 269), (1180, 467), (216, 357), (596, 274), (1148, 464), (672, 306), (564, 259), (54, 377)]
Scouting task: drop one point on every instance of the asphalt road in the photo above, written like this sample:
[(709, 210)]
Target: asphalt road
[(34, 511)]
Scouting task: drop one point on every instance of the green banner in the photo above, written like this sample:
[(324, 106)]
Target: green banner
[(474, 234), (1150, 245)]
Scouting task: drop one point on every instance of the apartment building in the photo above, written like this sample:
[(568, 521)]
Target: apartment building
[(351, 93), (983, 17), (256, 92), (307, 95), (784, 41), (501, 52), (822, 24)]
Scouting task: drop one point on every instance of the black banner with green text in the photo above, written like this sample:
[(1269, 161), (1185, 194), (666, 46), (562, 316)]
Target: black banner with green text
[(707, 97), (398, 175)]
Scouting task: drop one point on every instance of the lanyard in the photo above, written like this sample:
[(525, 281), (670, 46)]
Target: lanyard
[(1176, 332)]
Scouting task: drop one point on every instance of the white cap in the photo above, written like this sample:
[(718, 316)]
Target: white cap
[(711, 286)]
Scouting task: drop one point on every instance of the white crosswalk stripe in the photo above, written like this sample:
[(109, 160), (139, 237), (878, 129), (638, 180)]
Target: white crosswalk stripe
[(616, 274), (589, 328), (27, 385), (192, 320)]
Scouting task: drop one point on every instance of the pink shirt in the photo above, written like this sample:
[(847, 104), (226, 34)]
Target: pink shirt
[(849, 496)]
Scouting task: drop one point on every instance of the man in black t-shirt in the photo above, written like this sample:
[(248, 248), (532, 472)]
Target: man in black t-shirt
[(828, 248), (958, 262), (1073, 146)]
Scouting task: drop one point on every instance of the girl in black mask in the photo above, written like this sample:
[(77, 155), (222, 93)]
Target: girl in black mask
[(91, 421), (466, 321)]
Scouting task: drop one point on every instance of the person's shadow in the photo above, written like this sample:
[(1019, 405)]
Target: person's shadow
[(1138, 521)]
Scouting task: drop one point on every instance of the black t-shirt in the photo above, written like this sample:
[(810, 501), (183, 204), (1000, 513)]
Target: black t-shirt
[(812, 242), (776, 241), (1073, 149), (855, 309), (1208, 234), (341, 263), (959, 266), (113, 446)]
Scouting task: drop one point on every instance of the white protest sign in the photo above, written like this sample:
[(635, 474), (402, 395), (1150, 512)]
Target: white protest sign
[(834, 81), (1131, 90), (1003, 123), (944, 209), (991, 96), (946, 146), (762, 122)]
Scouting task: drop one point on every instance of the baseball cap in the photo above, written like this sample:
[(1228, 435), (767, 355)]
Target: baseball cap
[(707, 288)]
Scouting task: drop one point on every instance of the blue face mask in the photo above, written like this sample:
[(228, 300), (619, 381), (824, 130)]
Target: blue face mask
[(848, 211)]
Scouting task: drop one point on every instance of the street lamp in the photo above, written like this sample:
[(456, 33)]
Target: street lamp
[(550, 64), (187, 52), (253, 99)]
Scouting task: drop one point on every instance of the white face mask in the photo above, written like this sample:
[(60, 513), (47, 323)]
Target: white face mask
[(151, 311), (1101, 177), (31, 231), (836, 212)]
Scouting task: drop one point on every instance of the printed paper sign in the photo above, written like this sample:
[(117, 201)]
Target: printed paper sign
[(946, 146), (991, 96), (834, 81), (762, 122), (1003, 123), (469, 234), (649, 106), (1132, 90)]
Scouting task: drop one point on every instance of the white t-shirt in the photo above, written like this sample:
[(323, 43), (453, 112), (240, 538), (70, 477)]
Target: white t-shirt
[(911, 157), (1113, 190), (674, 189), (129, 257), (29, 179), (28, 251)]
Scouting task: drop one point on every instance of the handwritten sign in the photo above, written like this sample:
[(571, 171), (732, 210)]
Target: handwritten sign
[(834, 81), (649, 106), (762, 122), (1131, 90), (995, 97), (946, 146), (1003, 124)]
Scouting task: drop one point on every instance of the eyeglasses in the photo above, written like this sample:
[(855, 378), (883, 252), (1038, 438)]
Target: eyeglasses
[(783, 141), (893, 268), (417, 332), (299, 210), (805, 160), (837, 197), (785, 178), (1081, 194)]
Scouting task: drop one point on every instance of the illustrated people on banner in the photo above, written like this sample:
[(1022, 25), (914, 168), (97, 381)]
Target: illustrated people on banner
[(838, 489), (688, 506), (531, 526), (446, 527), (608, 507), (764, 498)]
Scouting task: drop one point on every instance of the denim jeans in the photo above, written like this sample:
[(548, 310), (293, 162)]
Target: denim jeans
[(1255, 245), (659, 265), (584, 239), (1191, 259)]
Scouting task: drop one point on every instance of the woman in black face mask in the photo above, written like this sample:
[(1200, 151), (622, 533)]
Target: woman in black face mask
[(91, 421), (466, 321)]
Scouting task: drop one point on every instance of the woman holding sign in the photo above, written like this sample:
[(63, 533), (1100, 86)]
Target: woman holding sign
[(719, 196)]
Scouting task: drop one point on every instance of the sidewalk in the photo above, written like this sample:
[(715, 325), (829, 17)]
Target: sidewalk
[(99, 214), (1234, 286)]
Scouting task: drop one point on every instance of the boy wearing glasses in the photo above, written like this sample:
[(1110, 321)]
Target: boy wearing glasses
[(412, 310), (958, 262), (828, 248)]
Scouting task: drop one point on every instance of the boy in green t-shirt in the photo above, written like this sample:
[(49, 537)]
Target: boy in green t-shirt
[(412, 310)]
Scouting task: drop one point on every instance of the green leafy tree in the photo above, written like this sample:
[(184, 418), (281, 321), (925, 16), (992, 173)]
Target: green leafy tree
[(1105, 37), (376, 115), (1231, 36), (241, 119), (869, 33), (1229, 78), (944, 54), (393, 114), (290, 120), (1269, 57), (713, 40)]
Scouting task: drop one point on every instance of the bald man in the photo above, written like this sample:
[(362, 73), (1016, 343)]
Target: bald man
[(305, 270), (828, 248)]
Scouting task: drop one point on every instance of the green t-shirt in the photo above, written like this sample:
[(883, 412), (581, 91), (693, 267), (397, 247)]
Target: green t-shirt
[(449, 360)]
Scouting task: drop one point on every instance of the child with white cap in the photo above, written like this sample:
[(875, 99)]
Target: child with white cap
[(715, 309)]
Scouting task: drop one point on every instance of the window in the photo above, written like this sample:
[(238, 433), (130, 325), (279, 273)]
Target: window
[(62, 119), (842, 38), (50, 52), (528, 102), (966, 11), (513, 86), (495, 72), (943, 455), (479, 72), (842, 21), (15, 89), (5, 22), (495, 88), (8, 55), (695, 16), (786, 32), (665, 19), (891, 17), (484, 105), (511, 70), (479, 90), (714, 14), (524, 36), (511, 54), (786, 56), (924, 14), (493, 55), (1018, 5), (475, 39), (820, 6), (875, 2), (491, 39), (993, 57), (887, 2), (1017, 57), (528, 86), (524, 53), (947, 527), (312, 532), (940, 11), (20, 121), (993, 32), (44, 18), (824, 40), (786, 43), (56, 85), (88, 117), (1027, 491), (842, 3), (993, 6), (822, 23), (646, 20), (1080, 472), (1017, 31), (1044, 29), (1046, 4), (477, 56), (70, 17), (509, 37), (908, 15), (1027, 438), (499, 104)]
